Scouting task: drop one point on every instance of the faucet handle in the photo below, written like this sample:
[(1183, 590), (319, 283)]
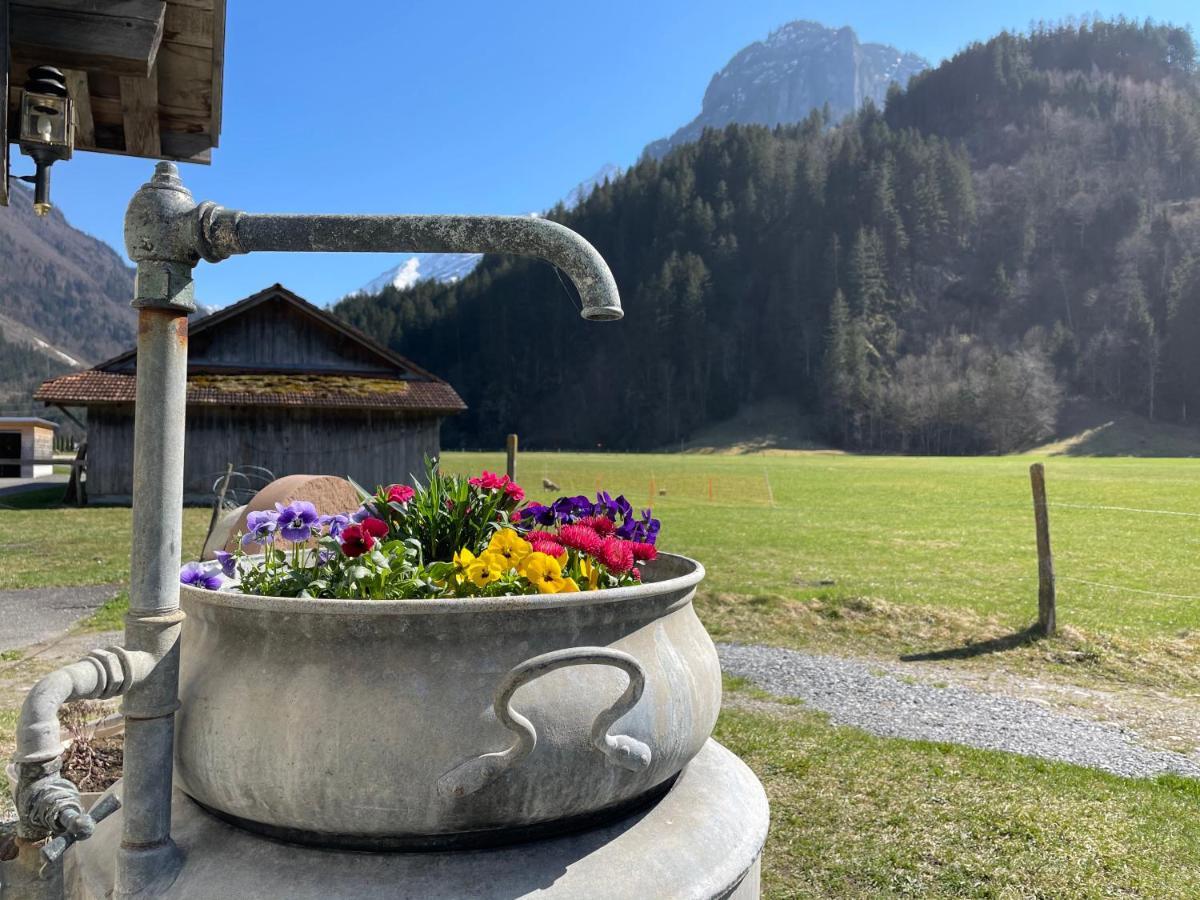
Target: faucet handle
[(80, 826)]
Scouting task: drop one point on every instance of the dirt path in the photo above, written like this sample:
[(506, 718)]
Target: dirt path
[(1130, 733), (34, 615)]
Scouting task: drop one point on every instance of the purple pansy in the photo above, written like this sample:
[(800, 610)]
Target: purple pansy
[(296, 520), (643, 530), (196, 575), (228, 563), (364, 512), (334, 524), (260, 527), (537, 514), (569, 509)]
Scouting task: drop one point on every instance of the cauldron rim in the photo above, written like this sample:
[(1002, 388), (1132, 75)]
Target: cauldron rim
[(693, 573)]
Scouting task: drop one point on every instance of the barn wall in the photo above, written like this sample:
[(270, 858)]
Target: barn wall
[(371, 446), (278, 336), (110, 452)]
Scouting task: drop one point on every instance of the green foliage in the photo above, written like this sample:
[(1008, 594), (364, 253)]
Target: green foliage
[(445, 514), (1035, 199), (22, 369)]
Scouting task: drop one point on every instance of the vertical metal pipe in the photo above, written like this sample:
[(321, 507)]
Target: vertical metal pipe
[(148, 856)]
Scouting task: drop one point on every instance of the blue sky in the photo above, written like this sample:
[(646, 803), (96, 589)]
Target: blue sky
[(474, 106)]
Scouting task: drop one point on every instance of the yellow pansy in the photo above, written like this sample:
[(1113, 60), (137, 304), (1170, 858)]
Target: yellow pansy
[(590, 571), (511, 546), (545, 573), (486, 568), (462, 561)]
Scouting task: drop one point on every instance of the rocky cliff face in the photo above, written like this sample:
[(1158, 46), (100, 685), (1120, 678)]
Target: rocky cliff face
[(798, 68), (62, 291)]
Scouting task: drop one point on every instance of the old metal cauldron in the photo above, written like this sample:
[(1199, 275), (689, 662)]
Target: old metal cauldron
[(423, 723)]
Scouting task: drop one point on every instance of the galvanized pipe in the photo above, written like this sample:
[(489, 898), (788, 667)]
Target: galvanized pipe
[(227, 232), (148, 855)]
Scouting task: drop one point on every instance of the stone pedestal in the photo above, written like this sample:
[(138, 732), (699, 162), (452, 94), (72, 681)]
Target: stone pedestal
[(703, 840)]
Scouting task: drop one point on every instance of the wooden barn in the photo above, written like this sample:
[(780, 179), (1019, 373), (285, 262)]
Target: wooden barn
[(273, 381)]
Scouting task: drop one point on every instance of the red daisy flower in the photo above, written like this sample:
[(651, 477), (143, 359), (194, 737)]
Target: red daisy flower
[(580, 537), (643, 552), (550, 548), (617, 555), (602, 525)]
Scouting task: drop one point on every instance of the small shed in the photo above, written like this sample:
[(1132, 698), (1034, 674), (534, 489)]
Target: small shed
[(273, 381), (26, 438)]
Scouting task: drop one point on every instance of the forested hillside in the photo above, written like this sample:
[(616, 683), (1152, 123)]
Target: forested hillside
[(66, 286), (1023, 221), (22, 369)]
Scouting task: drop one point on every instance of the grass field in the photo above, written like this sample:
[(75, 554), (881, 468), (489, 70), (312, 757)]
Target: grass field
[(878, 555), (951, 533), (856, 816)]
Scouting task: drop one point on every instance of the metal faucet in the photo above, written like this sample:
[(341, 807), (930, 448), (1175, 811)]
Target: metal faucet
[(167, 233)]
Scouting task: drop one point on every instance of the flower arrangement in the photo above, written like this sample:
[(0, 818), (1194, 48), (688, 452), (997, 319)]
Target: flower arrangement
[(452, 537)]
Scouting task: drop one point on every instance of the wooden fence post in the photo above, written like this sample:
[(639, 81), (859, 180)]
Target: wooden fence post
[(510, 447), (1046, 595)]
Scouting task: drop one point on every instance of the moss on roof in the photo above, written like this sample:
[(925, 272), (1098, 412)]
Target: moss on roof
[(298, 384)]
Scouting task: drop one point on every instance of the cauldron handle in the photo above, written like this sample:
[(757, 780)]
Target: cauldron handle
[(619, 750)]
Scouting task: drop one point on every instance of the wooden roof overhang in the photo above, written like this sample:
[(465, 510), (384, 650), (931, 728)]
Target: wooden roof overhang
[(145, 75)]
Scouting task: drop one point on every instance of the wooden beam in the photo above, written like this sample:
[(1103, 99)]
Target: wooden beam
[(118, 36), (81, 99), (4, 67), (139, 108), (216, 99), (187, 25)]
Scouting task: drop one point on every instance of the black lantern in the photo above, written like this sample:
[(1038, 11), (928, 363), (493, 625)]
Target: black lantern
[(47, 128)]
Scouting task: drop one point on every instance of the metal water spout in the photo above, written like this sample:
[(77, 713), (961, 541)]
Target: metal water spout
[(167, 234)]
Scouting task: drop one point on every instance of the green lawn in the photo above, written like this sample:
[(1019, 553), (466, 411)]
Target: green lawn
[(857, 816), (68, 545), (952, 533)]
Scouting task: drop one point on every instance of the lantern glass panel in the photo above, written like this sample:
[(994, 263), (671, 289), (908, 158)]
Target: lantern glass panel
[(46, 121)]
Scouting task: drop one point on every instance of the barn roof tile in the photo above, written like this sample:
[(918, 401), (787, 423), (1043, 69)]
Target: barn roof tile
[(313, 390)]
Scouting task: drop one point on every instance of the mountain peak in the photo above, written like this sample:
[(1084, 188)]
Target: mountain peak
[(799, 67)]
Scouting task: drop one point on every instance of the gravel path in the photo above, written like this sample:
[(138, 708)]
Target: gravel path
[(37, 614), (884, 700)]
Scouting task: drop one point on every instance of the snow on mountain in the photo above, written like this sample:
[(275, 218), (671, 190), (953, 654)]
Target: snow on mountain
[(583, 190), (447, 268)]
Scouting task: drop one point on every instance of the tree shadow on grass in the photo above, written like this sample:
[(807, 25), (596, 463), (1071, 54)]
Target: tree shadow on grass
[(1021, 638)]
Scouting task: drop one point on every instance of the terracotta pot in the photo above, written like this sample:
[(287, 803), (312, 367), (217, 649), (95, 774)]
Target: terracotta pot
[(413, 723)]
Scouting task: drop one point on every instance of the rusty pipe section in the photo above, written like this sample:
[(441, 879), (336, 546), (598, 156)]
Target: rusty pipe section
[(227, 232)]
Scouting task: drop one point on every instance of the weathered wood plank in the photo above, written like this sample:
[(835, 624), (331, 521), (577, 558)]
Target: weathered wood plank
[(85, 127), (120, 36), (218, 71), (187, 78), (4, 67), (372, 447), (187, 25), (1047, 611), (139, 107)]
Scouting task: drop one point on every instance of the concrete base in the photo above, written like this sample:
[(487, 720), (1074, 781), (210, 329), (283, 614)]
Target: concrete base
[(702, 840)]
